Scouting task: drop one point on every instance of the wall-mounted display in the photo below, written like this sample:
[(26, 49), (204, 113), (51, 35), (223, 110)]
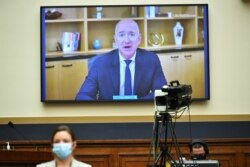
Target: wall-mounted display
[(83, 48)]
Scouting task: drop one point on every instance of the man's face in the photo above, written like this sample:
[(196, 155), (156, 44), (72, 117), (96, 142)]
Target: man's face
[(198, 153), (127, 38)]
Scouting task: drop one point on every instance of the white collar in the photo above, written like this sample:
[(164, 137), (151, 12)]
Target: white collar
[(121, 58)]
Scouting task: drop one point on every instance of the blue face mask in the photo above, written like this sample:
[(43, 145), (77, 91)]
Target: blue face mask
[(62, 150)]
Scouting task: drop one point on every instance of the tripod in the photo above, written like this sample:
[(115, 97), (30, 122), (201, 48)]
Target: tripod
[(163, 120)]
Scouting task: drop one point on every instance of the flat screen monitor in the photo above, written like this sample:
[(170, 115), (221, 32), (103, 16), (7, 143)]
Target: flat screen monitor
[(84, 48)]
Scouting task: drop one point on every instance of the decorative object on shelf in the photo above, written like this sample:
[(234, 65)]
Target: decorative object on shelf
[(59, 47), (170, 14), (178, 33), (70, 41), (166, 14), (156, 39), (52, 14), (161, 14), (134, 11), (97, 44), (202, 34), (150, 11), (99, 14)]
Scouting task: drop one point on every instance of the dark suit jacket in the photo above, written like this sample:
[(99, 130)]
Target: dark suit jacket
[(103, 80)]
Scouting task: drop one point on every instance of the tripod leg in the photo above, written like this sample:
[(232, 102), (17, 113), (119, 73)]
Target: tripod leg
[(177, 148), (162, 159), (165, 120)]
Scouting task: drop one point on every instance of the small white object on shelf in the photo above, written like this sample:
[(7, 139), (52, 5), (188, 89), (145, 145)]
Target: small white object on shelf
[(8, 145), (99, 12), (178, 33)]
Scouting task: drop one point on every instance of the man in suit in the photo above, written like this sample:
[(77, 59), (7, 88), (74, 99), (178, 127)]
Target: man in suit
[(108, 77)]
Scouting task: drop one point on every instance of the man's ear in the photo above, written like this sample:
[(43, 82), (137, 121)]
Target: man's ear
[(140, 37), (74, 144)]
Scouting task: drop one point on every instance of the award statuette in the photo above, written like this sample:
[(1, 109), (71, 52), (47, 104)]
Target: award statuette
[(156, 39)]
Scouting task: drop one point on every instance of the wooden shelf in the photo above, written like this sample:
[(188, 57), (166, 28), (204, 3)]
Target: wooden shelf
[(81, 19)]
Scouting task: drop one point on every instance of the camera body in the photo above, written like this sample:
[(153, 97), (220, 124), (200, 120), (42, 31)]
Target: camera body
[(173, 96)]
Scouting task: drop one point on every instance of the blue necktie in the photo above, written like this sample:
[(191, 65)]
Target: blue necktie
[(128, 86)]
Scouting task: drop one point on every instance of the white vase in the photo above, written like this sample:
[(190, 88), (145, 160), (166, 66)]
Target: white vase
[(178, 33)]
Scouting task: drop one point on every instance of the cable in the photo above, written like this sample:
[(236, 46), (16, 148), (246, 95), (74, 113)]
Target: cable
[(151, 147), (190, 124)]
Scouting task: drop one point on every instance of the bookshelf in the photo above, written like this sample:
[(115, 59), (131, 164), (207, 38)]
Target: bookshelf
[(83, 20)]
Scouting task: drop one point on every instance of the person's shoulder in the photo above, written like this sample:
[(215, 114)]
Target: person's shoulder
[(145, 52), (147, 56), (47, 164), (107, 58), (113, 52), (77, 163)]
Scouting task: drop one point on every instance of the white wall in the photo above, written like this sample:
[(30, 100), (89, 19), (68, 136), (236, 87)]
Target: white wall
[(229, 27)]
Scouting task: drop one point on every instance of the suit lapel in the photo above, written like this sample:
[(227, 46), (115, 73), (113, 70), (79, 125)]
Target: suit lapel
[(138, 71), (115, 71)]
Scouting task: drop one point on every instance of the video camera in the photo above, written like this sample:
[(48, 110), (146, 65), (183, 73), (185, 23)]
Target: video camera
[(173, 96)]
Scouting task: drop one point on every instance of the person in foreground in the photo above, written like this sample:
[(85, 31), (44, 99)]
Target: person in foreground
[(107, 78), (64, 144), (198, 149)]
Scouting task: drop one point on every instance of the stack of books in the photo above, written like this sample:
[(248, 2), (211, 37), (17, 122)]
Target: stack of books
[(70, 41)]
